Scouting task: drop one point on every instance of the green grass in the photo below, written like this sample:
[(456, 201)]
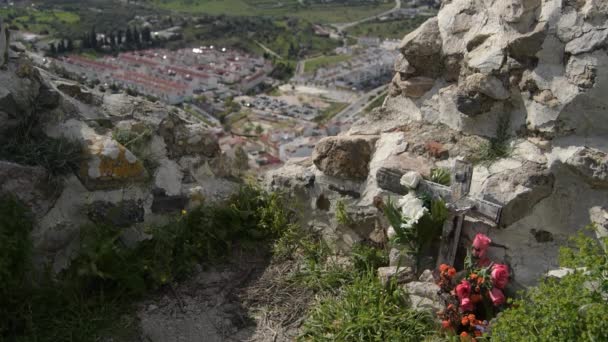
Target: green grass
[(377, 102), (367, 311), (319, 13), (314, 64), (393, 29), (331, 111)]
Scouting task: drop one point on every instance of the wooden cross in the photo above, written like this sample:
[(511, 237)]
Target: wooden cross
[(457, 201)]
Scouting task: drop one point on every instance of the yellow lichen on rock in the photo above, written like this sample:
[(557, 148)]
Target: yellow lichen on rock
[(110, 165)]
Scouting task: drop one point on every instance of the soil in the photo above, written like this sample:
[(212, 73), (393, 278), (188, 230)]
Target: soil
[(249, 298)]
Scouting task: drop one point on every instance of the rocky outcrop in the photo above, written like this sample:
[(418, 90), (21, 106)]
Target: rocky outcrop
[(142, 162), (476, 53)]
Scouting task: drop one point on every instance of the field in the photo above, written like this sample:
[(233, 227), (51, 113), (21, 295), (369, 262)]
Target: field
[(394, 29), (289, 39), (313, 64), (39, 20), (319, 13)]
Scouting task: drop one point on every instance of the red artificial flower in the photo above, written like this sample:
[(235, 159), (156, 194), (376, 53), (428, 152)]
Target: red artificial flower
[(500, 275), (463, 290), (451, 272), (481, 243), (497, 297), (466, 305), (446, 324)]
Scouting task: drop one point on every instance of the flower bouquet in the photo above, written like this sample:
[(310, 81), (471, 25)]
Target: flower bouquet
[(474, 298)]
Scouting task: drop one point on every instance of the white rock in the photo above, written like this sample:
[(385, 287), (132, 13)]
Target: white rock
[(400, 274), (168, 177)]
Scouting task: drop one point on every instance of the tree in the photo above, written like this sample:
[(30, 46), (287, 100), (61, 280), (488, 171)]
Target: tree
[(112, 39), (129, 36), (259, 130), (146, 35), (70, 46), (119, 35), (93, 38), (61, 46), (86, 41), (136, 37), (52, 49)]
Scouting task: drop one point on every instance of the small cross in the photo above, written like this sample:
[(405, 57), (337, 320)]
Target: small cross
[(457, 201)]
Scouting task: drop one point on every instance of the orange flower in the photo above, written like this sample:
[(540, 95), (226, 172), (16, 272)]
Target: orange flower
[(473, 276), (446, 324), (465, 321), (471, 317), (476, 298), (477, 333), (480, 280), (464, 336), (452, 272), (443, 268)]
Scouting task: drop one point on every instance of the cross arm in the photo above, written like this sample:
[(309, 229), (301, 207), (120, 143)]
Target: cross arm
[(389, 179)]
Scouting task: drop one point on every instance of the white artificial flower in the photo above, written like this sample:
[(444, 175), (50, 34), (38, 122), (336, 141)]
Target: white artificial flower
[(391, 233), (412, 208)]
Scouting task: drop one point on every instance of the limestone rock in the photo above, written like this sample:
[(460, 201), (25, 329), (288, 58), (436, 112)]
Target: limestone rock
[(588, 42), (518, 187), (416, 86), (122, 214), (488, 57), (424, 296), (403, 66), (599, 218), (422, 49), (592, 165), (31, 185), (400, 275), (487, 85), (526, 46), (110, 165), (76, 91), (400, 258), (183, 138), (344, 157), (473, 104)]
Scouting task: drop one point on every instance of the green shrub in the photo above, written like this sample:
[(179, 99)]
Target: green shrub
[(367, 311), (497, 148), (368, 259), (93, 299), (568, 309), (342, 215), (15, 227), (441, 175), (58, 156)]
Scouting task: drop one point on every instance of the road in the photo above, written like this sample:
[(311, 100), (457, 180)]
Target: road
[(343, 26), (361, 103)]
